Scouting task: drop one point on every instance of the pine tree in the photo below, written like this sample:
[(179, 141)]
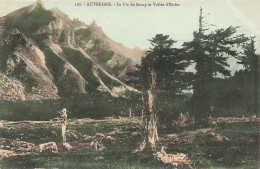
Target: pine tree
[(251, 62), (210, 52)]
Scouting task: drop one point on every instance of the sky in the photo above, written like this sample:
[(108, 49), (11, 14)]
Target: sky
[(134, 25)]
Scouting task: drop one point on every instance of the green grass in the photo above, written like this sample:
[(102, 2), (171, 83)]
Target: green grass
[(179, 129), (34, 135), (239, 129), (118, 154), (81, 159), (91, 130), (229, 154), (29, 22)]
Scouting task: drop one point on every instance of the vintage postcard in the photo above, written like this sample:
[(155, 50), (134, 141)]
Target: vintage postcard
[(126, 84)]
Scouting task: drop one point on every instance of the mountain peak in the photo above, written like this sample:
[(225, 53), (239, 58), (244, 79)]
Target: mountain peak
[(94, 27), (94, 24), (37, 3)]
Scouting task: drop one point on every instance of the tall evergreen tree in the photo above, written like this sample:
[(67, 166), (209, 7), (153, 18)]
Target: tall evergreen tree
[(251, 62), (210, 52), (168, 63)]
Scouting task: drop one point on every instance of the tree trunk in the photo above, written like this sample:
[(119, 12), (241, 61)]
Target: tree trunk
[(130, 112), (149, 117), (257, 90), (63, 114), (151, 139)]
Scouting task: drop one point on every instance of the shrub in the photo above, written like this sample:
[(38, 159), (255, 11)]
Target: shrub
[(105, 56), (62, 37), (20, 72), (6, 50), (39, 39), (85, 34), (118, 68), (67, 84)]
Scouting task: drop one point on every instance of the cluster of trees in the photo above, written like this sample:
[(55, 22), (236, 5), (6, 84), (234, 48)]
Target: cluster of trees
[(209, 51), (163, 77)]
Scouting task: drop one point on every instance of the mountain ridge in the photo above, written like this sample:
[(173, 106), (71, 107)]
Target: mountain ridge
[(58, 57)]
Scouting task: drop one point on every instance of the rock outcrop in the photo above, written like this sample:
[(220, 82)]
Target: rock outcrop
[(11, 148), (48, 147)]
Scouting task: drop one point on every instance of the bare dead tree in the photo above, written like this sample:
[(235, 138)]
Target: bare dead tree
[(63, 115), (151, 138), (149, 117)]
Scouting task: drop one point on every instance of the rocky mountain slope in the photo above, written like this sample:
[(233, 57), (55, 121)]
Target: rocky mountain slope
[(44, 54)]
